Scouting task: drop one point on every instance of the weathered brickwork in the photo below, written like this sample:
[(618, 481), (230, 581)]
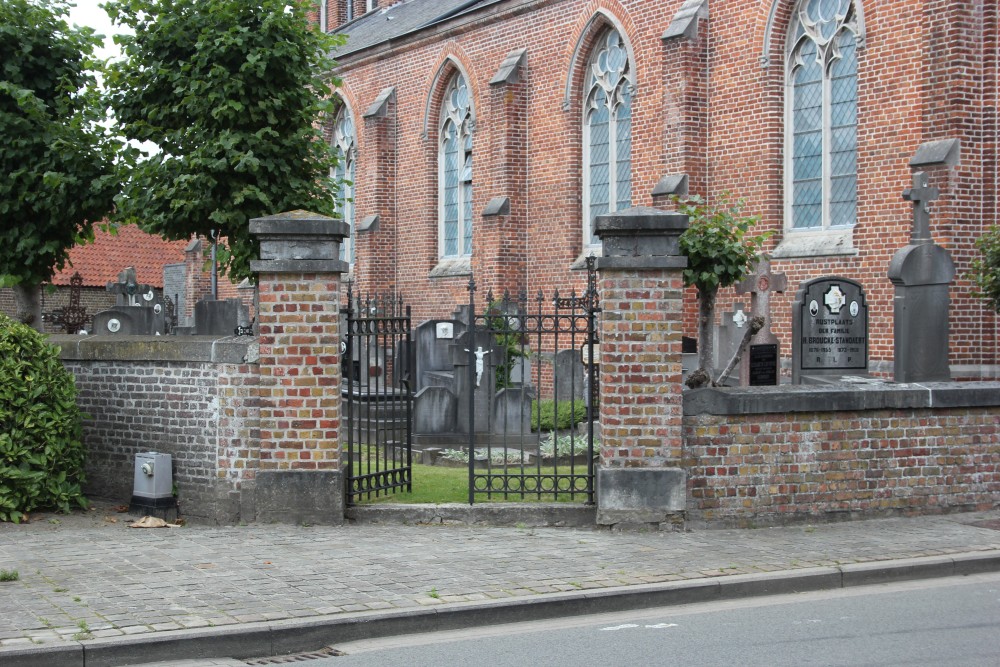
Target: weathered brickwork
[(640, 369), (202, 414), (299, 371), (709, 103), (747, 469)]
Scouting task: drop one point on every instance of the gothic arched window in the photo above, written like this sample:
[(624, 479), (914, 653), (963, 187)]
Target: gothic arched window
[(343, 175), (607, 133), (821, 128), (455, 171)]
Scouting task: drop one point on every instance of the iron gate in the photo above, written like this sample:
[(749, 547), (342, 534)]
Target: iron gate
[(540, 398), (377, 368)]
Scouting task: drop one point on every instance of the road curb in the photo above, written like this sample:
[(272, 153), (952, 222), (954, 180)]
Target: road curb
[(296, 636)]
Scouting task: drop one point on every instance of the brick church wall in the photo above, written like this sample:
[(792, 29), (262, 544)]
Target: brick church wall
[(709, 104)]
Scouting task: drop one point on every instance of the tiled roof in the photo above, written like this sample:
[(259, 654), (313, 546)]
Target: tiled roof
[(100, 262), (402, 18)]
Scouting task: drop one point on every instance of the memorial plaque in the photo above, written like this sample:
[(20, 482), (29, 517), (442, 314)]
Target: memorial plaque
[(764, 365), (830, 329)]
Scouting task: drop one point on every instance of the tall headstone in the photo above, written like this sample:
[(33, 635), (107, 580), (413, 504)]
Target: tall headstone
[(729, 334), (829, 331), (761, 365), (921, 273)]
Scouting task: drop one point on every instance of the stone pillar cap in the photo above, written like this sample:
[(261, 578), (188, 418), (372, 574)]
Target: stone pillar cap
[(297, 223), (639, 220)]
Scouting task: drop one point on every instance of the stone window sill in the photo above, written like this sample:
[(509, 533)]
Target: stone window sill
[(824, 243), (580, 263), (450, 267)]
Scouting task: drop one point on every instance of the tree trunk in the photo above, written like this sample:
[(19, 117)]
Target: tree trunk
[(28, 301), (706, 341)]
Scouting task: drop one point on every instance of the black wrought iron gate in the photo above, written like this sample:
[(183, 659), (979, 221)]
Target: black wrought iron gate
[(533, 406), (377, 395)]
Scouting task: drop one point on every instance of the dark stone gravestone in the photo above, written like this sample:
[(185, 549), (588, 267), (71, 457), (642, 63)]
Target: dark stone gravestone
[(219, 318), (921, 273), (138, 310), (762, 363), (569, 376), (475, 375), (432, 341), (829, 331)]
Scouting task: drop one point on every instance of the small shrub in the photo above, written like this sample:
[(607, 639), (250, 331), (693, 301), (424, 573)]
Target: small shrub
[(985, 272), (566, 445), (41, 450), (545, 416), (9, 575)]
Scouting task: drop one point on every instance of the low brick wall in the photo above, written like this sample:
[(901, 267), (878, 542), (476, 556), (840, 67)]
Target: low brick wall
[(758, 456), (194, 398)]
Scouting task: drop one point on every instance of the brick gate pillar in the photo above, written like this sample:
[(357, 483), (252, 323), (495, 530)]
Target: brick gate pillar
[(640, 479), (298, 282)]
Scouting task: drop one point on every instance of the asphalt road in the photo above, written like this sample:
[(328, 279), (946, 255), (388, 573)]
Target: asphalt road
[(953, 621)]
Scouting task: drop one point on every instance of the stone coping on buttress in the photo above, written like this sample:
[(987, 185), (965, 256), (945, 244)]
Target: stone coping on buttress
[(840, 397), (205, 349)]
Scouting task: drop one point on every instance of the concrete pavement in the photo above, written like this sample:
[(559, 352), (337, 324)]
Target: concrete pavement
[(93, 591)]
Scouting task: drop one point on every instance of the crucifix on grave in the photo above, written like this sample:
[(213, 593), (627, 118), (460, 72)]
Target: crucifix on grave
[(921, 194), (761, 365), (128, 291), (921, 273)]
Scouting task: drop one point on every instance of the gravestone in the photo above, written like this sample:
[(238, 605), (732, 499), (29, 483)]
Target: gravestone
[(138, 310), (569, 376), (921, 273), (219, 318), (829, 331), (762, 363), (432, 344), (475, 375), (728, 336)]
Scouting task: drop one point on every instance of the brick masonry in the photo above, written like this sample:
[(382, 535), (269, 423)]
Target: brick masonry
[(709, 103), (203, 414), (778, 467)]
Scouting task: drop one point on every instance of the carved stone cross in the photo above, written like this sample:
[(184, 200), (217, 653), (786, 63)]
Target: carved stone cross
[(921, 194), (129, 290), (761, 283)]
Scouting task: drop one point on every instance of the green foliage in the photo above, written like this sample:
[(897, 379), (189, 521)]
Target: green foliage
[(545, 416), (717, 245), (41, 451), (9, 575), (567, 445), (231, 94), (986, 268), (56, 161), (507, 338)]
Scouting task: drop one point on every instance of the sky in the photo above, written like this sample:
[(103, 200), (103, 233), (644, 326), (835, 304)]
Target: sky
[(87, 13)]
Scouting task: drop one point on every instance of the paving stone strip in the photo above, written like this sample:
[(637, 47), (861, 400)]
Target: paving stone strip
[(107, 580)]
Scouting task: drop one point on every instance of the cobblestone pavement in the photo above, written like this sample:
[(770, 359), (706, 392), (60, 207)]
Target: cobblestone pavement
[(92, 576)]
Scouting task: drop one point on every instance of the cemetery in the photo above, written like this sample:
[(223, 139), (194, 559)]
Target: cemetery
[(253, 422)]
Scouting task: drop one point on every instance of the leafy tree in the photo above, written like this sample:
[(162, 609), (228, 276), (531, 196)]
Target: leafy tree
[(56, 159), (720, 253), (229, 93), (986, 268)]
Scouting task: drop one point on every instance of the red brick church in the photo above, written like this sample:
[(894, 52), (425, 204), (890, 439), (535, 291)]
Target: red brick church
[(482, 137)]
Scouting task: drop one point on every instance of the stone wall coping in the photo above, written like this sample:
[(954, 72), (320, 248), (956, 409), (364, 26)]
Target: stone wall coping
[(840, 397), (204, 349)]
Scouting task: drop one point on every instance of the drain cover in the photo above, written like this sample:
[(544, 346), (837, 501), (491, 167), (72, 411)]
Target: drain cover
[(326, 652)]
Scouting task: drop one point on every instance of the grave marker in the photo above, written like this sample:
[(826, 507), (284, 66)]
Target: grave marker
[(762, 364), (829, 330)]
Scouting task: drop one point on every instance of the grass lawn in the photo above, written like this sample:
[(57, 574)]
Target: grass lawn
[(441, 484)]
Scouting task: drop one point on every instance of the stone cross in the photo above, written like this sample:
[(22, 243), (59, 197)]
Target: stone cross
[(129, 290), (921, 194), (761, 283)]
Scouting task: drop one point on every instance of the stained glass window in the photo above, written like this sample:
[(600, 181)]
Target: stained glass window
[(456, 171), (607, 133), (343, 175), (823, 115)]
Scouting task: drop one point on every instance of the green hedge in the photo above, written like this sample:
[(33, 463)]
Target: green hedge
[(41, 447), (545, 417)]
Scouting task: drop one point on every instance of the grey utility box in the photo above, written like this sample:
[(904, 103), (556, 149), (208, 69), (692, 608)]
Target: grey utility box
[(152, 490)]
